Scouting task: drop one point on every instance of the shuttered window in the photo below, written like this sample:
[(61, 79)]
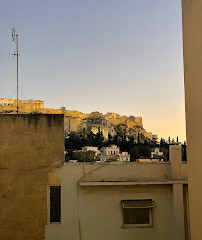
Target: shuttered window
[(55, 203), (137, 213)]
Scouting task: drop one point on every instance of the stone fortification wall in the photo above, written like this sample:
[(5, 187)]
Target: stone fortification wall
[(72, 124), (24, 105), (148, 135), (31, 146), (75, 114)]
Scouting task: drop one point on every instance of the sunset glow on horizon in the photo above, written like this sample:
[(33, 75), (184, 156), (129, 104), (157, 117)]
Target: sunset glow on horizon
[(108, 56)]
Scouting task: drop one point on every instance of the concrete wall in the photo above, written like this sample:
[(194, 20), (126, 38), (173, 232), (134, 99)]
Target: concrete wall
[(101, 214), (30, 147), (192, 38), (91, 196)]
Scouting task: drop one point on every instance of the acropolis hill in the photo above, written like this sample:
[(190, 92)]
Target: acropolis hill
[(76, 121)]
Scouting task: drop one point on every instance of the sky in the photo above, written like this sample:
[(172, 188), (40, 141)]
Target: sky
[(98, 55)]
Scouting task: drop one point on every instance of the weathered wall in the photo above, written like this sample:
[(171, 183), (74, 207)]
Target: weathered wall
[(91, 196), (101, 215), (192, 39), (30, 147)]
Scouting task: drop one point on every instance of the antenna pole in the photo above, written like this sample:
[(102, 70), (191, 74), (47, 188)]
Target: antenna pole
[(17, 75), (15, 39)]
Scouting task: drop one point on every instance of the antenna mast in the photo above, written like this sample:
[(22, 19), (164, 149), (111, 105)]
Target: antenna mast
[(15, 39)]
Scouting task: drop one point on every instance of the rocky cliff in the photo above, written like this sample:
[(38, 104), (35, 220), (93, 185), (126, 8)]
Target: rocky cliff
[(108, 124), (74, 121)]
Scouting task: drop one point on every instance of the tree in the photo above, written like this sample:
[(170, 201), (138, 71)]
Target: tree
[(162, 141), (84, 156), (138, 138), (134, 153), (130, 143), (145, 151), (164, 150), (184, 153), (156, 156), (90, 139), (146, 142), (99, 139), (73, 141), (109, 142)]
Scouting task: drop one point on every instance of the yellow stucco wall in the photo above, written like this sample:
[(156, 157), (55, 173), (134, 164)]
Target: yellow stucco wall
[(91, 196), (30, 147), (192, 39), (101, 215)]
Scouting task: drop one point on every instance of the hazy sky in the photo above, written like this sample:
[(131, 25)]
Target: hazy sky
[(122, 56)]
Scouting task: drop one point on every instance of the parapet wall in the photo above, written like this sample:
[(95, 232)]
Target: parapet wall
[(31, 146)]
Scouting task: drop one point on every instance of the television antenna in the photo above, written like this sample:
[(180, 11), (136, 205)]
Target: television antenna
[(15, 39)]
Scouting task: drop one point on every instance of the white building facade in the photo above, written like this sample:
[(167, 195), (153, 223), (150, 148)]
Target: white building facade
[(112, 152), (156, 151), (91, 148)]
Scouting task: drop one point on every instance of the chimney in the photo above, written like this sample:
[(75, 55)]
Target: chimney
[(175, 157)]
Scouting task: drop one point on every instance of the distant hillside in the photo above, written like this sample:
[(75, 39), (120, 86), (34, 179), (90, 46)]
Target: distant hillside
[(110, 124)]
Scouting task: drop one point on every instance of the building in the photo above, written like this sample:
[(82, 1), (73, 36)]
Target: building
[(120, 201), (24, 105), (124, 157), (147, 160), (96, 200), (112, 152), (31, 147), (91, 148), (44, 198), (192, 44), (156, 151)]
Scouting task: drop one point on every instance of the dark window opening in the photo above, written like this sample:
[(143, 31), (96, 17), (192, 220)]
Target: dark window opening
[(137, 213), (136, 216), (55, 204)]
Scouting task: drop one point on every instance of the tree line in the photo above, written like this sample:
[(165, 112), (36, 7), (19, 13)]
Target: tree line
[(136, 147)]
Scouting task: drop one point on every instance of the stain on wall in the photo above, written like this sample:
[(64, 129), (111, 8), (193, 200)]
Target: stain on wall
[(31, 145)]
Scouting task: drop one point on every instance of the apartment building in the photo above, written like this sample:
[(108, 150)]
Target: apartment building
[(120, 201), (41, 198), (112, 152), (44, 198)]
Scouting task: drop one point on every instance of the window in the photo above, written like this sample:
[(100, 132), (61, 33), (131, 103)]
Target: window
[(55, 203), (137, 213)]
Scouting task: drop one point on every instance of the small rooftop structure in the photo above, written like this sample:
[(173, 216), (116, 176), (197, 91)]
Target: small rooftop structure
[(147, 160)]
